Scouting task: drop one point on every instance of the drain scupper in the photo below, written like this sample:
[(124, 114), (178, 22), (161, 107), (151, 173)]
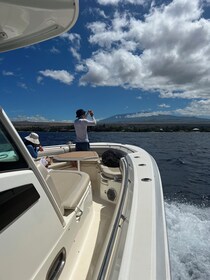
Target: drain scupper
[(111, 194)]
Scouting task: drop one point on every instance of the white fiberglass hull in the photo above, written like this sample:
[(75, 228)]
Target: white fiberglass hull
[(142, 245)]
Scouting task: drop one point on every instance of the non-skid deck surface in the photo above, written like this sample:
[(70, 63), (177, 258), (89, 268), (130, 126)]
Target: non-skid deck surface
[(102, 215)]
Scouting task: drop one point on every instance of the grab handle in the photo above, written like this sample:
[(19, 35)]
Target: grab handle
[(57, 265)]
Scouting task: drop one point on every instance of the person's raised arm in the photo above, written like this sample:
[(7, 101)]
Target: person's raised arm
[(93, 121)]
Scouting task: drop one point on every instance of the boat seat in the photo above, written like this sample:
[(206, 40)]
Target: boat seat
[(111, 172), (66, 186)]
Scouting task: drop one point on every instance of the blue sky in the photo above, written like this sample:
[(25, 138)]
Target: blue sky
[(121, 57)]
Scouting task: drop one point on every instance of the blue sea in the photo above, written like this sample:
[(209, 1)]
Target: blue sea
[(184, 163)]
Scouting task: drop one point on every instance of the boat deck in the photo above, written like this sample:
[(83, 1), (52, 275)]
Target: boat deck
[(98, 229), (98, 225)]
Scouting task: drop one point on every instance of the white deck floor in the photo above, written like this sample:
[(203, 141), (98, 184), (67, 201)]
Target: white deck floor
[(95, 237)]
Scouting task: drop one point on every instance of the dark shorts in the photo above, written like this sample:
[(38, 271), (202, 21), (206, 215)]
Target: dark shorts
[(82, 146)]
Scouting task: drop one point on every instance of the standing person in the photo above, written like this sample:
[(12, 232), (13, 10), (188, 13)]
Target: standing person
[(80, 124), (33, 144)]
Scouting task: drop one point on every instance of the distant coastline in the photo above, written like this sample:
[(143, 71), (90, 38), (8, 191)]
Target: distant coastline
[(126, 127)]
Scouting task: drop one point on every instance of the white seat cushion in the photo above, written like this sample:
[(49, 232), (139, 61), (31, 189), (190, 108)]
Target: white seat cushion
[(66, 186), (71, 186), (111, 172)]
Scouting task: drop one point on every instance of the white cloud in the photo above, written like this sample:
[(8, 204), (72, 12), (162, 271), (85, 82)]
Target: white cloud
[(36, 118), (113, 69), (22, 85), (105, 35), (168, 51), (196, 108), (164, 105), (75, 54), (147, 114), (96, 12), (60, 75), (54, 50), (7, 73), (116, 2), (74, 40), (100, 12), (70, 36), (39, 80), (108, 2), (80, 68)]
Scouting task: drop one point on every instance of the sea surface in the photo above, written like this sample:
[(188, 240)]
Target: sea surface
[(184, 163)]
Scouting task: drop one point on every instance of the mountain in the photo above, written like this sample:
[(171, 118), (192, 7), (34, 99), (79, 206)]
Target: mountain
[(137, 118)]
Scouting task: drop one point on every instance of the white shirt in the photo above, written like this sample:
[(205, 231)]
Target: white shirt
[(80, 126)]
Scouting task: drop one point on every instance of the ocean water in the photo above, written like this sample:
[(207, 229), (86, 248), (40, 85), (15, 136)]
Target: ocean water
[(184, 164)]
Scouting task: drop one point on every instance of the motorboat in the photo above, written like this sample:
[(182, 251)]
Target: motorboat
[(83, 217)]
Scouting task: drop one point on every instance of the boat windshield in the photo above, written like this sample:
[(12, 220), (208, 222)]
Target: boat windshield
[(10, 157)]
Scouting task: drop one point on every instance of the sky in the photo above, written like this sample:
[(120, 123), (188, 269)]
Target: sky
[(121, 57)]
